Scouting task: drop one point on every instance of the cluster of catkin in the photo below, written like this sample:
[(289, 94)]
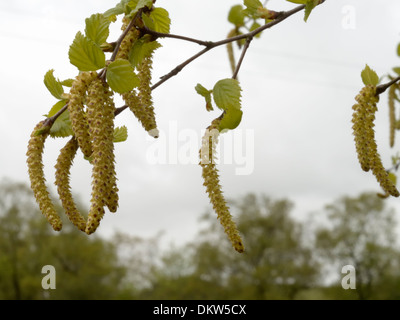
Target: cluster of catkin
[(92, 112), (364, 137), (213, 186)]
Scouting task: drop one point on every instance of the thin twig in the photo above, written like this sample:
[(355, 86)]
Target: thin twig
[(244, 50), (281, 16), (50, 121), (383, 87), (156, 34)]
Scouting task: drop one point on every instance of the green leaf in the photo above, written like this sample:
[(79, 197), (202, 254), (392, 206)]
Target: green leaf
[(206, 94), (310, 5), (161, 20), (53, 85), (298, 1), (398, 50), (137, 5), (85, 54), (67, 82), (62, 126), (397, 70), (120, 134), (97, 28), (252, 6), (369, 76), (120, 76), (236, 15), (120, 8), (227, 94), (231, 119), (142, 48)]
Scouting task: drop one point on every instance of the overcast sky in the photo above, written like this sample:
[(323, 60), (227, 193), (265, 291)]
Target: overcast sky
[(299, 81)]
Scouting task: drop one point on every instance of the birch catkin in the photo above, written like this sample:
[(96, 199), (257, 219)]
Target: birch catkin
[(36, 175), (364, 137), (213, 187), (76, 110), (63, 168), (101, 128)]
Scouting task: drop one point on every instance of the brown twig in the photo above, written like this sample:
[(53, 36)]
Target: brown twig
[(383, 87)]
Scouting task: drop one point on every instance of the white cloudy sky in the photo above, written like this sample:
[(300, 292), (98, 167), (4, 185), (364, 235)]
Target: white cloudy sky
[(299, 81)]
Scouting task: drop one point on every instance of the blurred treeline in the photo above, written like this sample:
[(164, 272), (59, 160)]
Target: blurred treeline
[(284, 258)]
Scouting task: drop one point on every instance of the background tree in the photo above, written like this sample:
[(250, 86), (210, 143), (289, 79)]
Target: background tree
[(361, 232), (277, 264), (87, 268)]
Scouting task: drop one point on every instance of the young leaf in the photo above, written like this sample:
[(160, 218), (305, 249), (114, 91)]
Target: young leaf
[(397, 70), (137, 5), (369, 76), (67, 82), (310, 5), (53, 85), (398, 50), (120, 134), (97, 28), (227, 94), (252, 6), (231, 119), (236, 15), (142, 48), (62, 126), (161, 20), (85, 54), (206, 94), (120, 76), (120, 8), (298, 1)]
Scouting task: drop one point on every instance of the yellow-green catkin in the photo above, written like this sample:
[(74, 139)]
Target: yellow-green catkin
[(364, 136), (213, 187), (76, 110), (36, 175), (100, 111), (128, 41), (62, 181), (392, 115), (142, 104)]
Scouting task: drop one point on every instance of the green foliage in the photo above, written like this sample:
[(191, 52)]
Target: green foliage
[(97, 28), (227, 94), (361, 233), (85, 54), (120, 8), (143, 47), (86, 268), (53, 85), (120, 76), (231, 119), (206, 94), (120, 134), (369, 76), (236, 15), (62, 126), (158, 20), (310, 5)]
